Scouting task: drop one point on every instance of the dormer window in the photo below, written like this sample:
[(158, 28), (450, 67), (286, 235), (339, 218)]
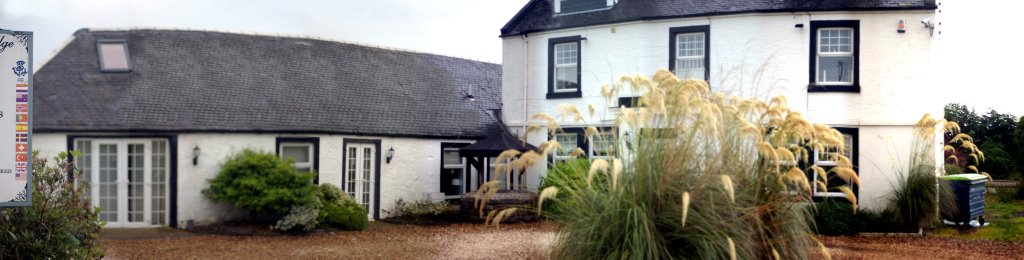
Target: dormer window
[(113, 55), (576, 6)]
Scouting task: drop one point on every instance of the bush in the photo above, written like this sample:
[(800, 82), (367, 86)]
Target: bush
[(952, 169), (999, 163), (423, 209), (704, 178), (60, 223), (569, 175), (339, 210), (261, 183), (833, 217), (299, 219)]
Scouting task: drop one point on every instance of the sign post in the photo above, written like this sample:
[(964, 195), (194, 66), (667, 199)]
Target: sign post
[(15, 118)]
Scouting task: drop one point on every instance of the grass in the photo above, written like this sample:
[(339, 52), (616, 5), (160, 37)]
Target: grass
[(1005, 227)]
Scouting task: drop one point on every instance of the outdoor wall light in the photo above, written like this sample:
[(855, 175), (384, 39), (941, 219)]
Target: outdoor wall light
[(390, 154), (195, 155)]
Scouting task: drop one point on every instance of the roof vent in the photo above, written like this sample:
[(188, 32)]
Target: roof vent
[(113, 55)]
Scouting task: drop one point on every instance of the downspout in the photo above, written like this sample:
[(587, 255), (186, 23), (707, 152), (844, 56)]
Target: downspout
[(526, 81)]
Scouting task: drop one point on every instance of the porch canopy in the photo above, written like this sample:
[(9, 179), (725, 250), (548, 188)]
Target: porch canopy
[(492, 146)]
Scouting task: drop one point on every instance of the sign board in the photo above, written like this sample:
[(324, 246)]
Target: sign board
[(15, 118)]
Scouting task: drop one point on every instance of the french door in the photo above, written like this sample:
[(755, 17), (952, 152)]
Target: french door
[(360, 172), (127, 179)]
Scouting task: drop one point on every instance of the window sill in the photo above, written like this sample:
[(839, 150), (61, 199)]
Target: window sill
[(812, 88), (557, 95)]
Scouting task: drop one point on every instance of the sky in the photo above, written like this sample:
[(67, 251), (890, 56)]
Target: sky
[(976, 65)]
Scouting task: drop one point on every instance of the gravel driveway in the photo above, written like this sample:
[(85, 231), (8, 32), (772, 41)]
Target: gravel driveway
[(381, 240), (462, 241)]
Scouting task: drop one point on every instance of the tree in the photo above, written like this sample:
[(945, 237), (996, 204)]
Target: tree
[(968, 120), (1018, 144)]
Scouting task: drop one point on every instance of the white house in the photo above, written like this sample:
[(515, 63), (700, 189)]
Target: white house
[(862, 67), (156, 112)]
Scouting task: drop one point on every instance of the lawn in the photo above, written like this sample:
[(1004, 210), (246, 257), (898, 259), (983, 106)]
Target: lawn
[(1007, 220)]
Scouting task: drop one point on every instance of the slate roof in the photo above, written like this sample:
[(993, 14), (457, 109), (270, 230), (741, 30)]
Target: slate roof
[(200, 81), (538, 15)]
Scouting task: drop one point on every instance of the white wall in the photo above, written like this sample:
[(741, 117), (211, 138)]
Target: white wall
[(759, 55), (413, 174)]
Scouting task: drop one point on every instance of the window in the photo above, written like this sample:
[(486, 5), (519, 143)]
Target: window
[(113, 55), (564, 67), (453, 170), (569, 138), (834, 56), (603, 145), (688, 50), (504, 176), (827, 159), (576, 6), (568, 143), (304, 153)]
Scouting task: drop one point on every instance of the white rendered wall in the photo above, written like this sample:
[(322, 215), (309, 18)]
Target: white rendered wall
[(413, 174), (49, 144), (759, 55)]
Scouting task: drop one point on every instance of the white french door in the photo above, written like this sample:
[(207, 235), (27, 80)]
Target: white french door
[(127, 179), (360, 174)]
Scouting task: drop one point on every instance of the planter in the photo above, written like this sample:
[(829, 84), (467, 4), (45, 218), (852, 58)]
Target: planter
[(502, 200)]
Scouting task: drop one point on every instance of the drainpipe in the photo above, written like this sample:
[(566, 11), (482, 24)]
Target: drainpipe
[(526, 79)]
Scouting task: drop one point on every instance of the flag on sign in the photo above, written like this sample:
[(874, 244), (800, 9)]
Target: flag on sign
[(21, 137), (21, 128), (21, 157), (21, 167), (21, 85), (22, 90), (21, 148), (21, 97), (21, 108), (22, 118)]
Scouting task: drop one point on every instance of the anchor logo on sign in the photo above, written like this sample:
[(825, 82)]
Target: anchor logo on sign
[(20, 70)]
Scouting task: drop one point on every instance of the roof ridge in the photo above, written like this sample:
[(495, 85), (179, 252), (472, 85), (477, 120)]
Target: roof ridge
[(282, 35)]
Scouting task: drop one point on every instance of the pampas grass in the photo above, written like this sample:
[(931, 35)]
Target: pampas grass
[(689, 150)]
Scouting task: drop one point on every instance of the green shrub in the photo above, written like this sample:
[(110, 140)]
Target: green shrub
[(952, 169), (834, 217), (423, 209), (301, 218), (261, 183), (60, 223), (339, 210), (568, 175), (998, 163), (1020, 185)]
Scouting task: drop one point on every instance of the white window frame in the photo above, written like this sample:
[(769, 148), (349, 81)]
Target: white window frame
[(122, 185), (461, 166), (608, 137), (827, 162), (681, 56), (565, 153), (568, 65), (300, 165), (819, 54), (508, 179)]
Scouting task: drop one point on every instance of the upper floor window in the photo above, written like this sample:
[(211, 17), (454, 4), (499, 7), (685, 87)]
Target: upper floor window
[(575, 6), (564, 67), (113, 55), (688, 51), (834, 56)]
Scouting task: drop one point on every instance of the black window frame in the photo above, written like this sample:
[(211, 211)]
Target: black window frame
[(813, 85), (551, 67), (315, 141), (127, 55), (465, 168), (672, 39)]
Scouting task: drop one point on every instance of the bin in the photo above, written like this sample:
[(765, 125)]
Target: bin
[(969, 193)]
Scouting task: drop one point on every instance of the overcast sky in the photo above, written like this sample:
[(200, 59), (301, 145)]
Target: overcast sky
[(980, 51)]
